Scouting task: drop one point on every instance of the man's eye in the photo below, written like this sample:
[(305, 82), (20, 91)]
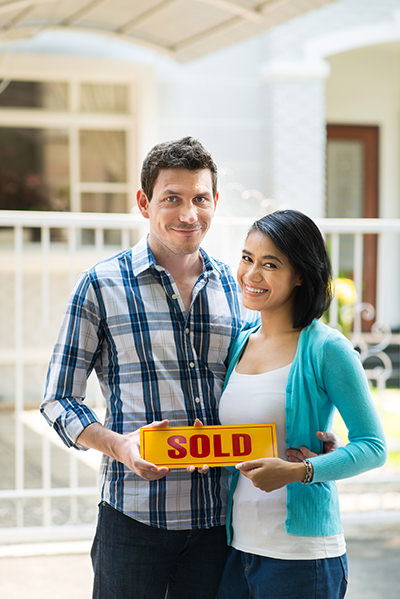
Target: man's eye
[(171, 199), (246, 258), (270, 265), (201, 200)]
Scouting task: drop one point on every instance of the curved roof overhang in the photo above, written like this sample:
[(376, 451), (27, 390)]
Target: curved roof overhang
[(182, 29)]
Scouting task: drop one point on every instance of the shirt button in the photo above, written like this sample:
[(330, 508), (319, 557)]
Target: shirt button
[(159, 268), (197, 399), (187, 331), (174, 296), (191, 364)]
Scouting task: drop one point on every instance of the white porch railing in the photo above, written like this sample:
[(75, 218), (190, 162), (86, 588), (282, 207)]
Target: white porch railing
[(46, 491)]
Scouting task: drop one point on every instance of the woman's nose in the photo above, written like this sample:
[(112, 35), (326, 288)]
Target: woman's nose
[(254, 272)]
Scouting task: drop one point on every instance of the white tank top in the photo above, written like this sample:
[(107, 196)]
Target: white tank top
[(258, 517)]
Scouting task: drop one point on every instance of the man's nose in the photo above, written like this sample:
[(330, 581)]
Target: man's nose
[(188, 214)]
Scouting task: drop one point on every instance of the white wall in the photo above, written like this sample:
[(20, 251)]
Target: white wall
[(217, 99)]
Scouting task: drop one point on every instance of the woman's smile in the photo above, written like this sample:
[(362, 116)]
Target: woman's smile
[(256, 290), (274, 277)]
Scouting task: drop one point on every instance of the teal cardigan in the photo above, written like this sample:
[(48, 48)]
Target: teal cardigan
[(326, 373)]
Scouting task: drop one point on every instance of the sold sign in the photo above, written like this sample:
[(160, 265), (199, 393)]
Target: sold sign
[(182, 446)]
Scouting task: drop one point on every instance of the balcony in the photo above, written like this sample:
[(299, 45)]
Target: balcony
[(48, 492)]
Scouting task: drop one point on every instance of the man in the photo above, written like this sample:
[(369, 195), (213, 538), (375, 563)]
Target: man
[(156, 323)]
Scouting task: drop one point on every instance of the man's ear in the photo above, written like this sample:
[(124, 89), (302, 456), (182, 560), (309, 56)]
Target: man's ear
[(143, 203), (216, 199)]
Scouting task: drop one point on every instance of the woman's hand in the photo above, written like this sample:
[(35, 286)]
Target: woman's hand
[(269, 474), (202, 469)]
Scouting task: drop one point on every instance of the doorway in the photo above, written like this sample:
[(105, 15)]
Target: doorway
[(352, 192)]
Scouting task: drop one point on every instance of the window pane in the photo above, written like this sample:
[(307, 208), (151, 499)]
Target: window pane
[(96, 97), (34, 169), (103, 156), (104, 202), (345, 181), (35, 94), (345, 177)]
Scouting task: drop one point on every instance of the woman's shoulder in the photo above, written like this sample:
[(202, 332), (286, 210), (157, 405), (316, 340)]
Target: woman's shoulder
[(239, 343), (319, 330), (243, 335), (320, 337)]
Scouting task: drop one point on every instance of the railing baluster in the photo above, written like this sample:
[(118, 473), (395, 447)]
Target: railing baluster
[(99, 241), (73, 484), (45, 276), (19, 370), (358, 282), (125, 239), (72, 251), (46, 481), (335, 248)]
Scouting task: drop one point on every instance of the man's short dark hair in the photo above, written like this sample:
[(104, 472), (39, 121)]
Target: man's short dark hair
[(187, 153), (298, 237)]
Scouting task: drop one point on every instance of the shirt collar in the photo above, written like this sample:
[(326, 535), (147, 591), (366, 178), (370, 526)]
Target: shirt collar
[(211, 266), (143, 260)]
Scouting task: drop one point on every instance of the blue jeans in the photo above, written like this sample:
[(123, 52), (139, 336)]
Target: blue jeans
[(134, 561), (252, 576)]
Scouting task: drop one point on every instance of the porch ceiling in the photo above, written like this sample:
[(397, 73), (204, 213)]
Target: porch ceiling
[(183, 29)]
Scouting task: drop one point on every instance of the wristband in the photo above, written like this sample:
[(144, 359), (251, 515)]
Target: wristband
[(309, 472)]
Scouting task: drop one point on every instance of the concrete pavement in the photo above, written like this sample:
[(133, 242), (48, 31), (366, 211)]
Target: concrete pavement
[(63, 571)]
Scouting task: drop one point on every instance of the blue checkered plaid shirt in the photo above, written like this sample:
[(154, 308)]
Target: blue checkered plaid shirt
[(125, 320)]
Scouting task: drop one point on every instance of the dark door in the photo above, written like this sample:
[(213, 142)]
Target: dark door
[(352, 192)]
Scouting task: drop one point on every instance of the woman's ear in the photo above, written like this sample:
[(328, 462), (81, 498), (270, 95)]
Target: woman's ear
[(299, 281)]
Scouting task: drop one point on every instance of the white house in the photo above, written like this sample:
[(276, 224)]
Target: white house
[(301, 114), (298, 102)]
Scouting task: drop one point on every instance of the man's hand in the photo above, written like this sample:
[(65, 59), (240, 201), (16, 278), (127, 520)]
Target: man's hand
[(129, 452), (202, 469), (123, 448), (330, 440)]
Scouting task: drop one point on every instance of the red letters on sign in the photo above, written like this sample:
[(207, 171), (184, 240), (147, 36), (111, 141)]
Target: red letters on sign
[(200, 446), (178, 451), (218, 447), (241, 444)]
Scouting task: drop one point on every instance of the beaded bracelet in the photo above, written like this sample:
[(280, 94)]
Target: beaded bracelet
[(309, 472)]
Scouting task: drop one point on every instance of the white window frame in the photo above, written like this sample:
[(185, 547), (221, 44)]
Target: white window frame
[(139, 123)]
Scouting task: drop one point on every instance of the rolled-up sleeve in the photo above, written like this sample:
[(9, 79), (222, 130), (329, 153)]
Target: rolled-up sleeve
[(74, 355)]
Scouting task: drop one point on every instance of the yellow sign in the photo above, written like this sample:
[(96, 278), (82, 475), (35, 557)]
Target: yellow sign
[(227, 445)]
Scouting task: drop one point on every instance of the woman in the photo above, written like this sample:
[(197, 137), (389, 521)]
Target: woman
[(293, 370)]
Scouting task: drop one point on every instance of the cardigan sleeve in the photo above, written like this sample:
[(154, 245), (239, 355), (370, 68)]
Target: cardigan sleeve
[(346, 385)]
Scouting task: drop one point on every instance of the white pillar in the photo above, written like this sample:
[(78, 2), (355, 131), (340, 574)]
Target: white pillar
[(295, 135)]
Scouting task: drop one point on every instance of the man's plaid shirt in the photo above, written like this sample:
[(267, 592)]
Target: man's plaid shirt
[(125, 319)]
